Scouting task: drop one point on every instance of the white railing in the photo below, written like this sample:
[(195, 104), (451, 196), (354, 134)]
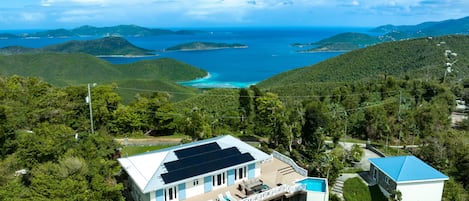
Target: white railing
[(274, 192), (290, 162)]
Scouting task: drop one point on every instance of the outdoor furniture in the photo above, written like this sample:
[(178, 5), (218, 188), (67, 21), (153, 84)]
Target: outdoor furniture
[(221, 198), (229, 197), (253, 186)]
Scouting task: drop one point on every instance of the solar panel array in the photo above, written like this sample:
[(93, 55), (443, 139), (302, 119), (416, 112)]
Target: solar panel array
[(202, 159), (188, 152)]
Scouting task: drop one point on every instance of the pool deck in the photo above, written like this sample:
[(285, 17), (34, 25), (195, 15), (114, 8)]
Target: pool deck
[(273, 173)]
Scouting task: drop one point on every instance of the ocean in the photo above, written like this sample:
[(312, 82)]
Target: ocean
[(270, 52)]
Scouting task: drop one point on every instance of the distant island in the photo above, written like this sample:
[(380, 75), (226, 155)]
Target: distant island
[(341, 42), (195, 46), (120, 30), (100, 47), (351, 41)]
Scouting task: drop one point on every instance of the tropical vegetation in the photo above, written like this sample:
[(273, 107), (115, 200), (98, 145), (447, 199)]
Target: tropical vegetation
[(403, 94)]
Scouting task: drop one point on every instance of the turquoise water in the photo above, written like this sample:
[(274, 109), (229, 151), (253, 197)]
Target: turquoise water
[(270, 52), (317, 185)]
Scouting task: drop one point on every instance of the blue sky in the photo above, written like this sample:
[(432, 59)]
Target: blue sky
[(46, 14)]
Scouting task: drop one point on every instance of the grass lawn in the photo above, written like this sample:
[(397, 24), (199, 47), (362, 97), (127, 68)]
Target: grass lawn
[(355, 190), (133, 150)]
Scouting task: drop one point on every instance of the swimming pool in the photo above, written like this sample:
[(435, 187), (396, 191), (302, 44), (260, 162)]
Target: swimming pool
[(312, 184)]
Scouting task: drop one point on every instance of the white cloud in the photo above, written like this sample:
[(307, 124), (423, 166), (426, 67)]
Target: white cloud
[(47, 3), (31, 16), (228, 12)]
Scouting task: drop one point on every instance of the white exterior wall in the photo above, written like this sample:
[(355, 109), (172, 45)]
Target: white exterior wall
[(257, 170), (152, 196), (422, 191), (317, 196), (192, 190)]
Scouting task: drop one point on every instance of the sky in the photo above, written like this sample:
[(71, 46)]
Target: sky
[(50, 14)]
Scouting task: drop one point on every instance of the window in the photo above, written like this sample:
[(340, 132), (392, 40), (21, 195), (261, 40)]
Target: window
[(386, 179), (375, 173), (196, 182), (240, 173), (170, 193)]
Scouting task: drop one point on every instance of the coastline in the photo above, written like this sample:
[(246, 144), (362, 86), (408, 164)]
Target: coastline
[(127, 56), (208, 82), (205, 49)]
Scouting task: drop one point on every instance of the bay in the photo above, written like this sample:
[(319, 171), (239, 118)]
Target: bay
[(269, 52)]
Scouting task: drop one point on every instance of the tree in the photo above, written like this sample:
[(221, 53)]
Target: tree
[(46, 143), (356, 153), (104, 102), (376, 121), (245, 107), (197, 125), (315, 122), (269, 117), (60, 181), (396, 196)]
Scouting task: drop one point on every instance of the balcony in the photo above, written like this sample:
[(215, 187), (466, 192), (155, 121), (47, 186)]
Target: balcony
[(278, 179)]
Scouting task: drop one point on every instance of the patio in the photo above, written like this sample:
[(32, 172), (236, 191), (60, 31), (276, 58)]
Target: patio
[(274, 173)]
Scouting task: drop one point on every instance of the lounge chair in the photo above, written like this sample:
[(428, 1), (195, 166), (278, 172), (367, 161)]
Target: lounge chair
[(221, 198), (228, 195)]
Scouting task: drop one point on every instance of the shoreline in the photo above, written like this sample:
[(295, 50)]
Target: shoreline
[(127, 56), (206, 49)]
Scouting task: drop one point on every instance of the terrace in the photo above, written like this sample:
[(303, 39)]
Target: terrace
[(278, 177)]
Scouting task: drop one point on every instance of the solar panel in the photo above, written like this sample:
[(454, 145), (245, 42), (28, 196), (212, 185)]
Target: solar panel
[(206, 166), (188, 152), (195, 159)]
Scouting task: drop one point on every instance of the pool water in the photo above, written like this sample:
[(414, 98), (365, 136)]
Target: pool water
[(317, 185)]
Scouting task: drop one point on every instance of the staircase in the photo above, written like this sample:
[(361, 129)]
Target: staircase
[(337, 188)]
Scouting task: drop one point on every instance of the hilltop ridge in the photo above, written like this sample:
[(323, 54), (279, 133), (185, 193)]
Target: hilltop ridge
[(87, 30)]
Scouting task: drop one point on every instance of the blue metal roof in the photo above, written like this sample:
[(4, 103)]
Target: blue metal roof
[(407, 169)]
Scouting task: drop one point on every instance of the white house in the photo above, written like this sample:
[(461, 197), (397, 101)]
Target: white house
[(217, 169), (416, 180)]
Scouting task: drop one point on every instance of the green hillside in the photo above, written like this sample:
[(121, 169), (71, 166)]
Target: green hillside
[(97, 47), (204, 46), (59, 69), (164, 68), (10, 50), (345, 42), (453, 26), (76, 69), (128, 89), (102, 46), (413, 58)]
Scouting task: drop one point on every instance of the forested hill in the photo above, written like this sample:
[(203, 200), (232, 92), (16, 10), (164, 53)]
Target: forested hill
[(194, 46), (102, 46), (453, 26), (417, 58), (69, 69), (345, 42), (386, 33)]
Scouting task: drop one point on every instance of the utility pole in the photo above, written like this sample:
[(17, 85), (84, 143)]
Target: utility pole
[(88, 100), (400, 123), (345, 133)]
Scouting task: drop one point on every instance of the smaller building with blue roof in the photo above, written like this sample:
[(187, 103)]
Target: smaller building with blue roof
[(413, 178)]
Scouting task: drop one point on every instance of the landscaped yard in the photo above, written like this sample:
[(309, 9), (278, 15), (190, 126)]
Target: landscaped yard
[(355, 190), (133, 150)]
